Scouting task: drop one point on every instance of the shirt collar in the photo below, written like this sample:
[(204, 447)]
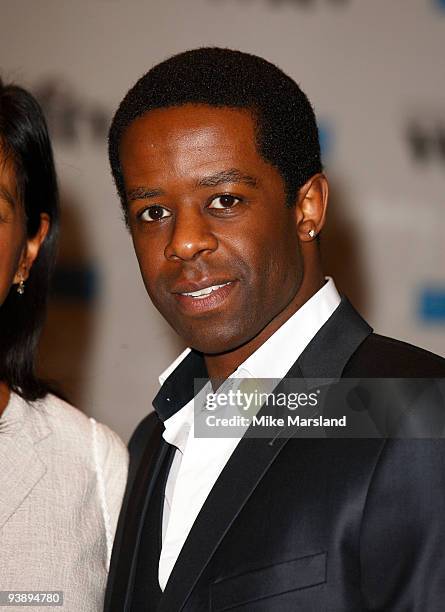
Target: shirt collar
[(180, 383), (186, 376), (275, 357)]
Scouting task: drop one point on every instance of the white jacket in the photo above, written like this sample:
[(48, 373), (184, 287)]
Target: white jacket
[(62, 478)]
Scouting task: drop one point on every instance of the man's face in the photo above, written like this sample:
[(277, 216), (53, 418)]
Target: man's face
[(216, 244)]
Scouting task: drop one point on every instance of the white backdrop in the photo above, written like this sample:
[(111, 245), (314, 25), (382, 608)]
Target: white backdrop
[(374, 73)]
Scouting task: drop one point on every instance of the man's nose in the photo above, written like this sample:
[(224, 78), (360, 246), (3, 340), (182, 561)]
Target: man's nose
[(191, 236)]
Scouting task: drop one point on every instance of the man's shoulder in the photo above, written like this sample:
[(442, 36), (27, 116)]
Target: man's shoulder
[(380, 356), (147, 428), (147, 434)]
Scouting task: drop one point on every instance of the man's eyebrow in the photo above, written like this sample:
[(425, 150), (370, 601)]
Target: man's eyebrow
[(213, 180), (143, 193), (227, 176)]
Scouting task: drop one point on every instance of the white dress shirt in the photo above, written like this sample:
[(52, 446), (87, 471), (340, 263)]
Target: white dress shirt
[(198, 462)]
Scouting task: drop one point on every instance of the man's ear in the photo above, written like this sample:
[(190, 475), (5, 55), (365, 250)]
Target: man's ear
[(31, 249), (311, 205)]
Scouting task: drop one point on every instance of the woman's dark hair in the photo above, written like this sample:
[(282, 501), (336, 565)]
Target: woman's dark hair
[(25, 142), (287, 134)]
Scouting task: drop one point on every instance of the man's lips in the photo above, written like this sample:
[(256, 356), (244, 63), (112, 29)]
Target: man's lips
[(195, 297), (189, 286)]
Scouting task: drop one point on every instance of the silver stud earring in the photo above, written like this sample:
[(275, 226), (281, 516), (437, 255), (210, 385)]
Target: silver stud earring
[(312, 233), (21, 287)]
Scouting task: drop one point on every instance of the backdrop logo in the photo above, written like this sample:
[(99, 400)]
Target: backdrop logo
[(426, 140), (75, 283), (325, 135), (71, 117), (432, 304)]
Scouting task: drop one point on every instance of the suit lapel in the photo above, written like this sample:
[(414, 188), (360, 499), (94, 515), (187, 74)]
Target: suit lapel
[(20, 471), (330, 350), (20, 465), (131, 521), (325, 357), (227, 498)]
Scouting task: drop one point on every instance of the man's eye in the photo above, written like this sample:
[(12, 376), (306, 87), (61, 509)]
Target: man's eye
[(154, 213), (224, 201)]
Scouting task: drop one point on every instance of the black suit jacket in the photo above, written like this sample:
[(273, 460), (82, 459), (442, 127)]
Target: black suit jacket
[(299, 524)]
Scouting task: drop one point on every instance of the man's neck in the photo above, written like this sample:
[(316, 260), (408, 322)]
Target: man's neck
[(222, 365)]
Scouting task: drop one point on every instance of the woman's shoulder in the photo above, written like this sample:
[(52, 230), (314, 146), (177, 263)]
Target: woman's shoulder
[(76, 431), (85, 463)]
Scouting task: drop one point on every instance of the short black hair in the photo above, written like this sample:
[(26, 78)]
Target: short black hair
[(287, 134), (25, 142)]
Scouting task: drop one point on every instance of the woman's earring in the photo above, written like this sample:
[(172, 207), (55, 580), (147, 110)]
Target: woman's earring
[(311, 233), (21, 287)]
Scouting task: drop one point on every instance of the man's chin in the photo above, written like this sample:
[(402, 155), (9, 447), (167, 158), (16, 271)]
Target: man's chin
[(216, 343), (214, 335)]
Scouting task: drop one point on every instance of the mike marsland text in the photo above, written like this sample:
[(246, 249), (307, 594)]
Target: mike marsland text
[(270, 421)]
